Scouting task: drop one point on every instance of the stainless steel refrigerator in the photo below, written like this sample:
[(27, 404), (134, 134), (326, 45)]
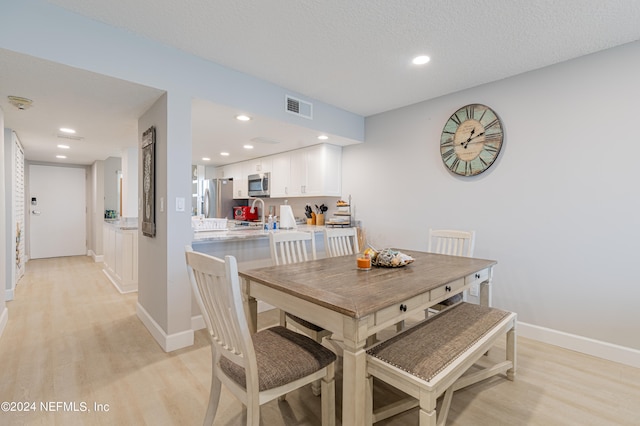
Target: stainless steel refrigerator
[(217, 198)]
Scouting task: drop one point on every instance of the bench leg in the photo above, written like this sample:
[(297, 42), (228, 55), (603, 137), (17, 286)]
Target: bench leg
[(368, 401), (427, 418), (511, 352)]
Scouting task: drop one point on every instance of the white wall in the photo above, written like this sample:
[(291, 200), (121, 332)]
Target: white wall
[(130, 182), (559, 208), (111, 167), (164, 294), (96, 210)]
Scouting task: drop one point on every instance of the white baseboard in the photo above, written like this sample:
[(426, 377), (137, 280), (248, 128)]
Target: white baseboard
[(167, 342), (123, 289), (197, 322), (97, 258), (4, 318), (585, 345)]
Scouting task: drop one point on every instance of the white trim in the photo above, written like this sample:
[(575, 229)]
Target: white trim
[(4, 318), (197, 322), (124, 289), (585, 345), (97, 258), (167, 342), (9, 294)]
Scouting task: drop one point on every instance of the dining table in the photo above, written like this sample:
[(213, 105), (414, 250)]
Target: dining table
[(355, 304)]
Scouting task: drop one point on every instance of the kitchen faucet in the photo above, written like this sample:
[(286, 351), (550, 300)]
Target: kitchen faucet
[(253, 209)]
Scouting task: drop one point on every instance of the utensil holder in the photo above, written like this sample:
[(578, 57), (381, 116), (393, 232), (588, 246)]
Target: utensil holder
[(320, 219), (312, 221)]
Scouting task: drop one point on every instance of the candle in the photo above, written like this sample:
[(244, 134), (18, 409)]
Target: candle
[(364, 261)]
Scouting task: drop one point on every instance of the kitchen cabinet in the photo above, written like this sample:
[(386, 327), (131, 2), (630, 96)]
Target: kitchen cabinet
[(308, 172), (238, 172), (280, 175), (314, 171), (259, 165)]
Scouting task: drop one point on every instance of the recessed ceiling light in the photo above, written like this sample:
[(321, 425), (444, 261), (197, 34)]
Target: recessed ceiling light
[(61, 156), (323, 137), (248, 146), (243, 117), (67, 130), (224, 154), (206, 159), (421, 60), (64, 146)]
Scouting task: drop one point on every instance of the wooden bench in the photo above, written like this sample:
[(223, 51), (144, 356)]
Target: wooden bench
[(432, 357)]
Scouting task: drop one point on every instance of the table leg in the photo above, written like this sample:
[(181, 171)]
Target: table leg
[(485, 290), (250, 307), (354, 383)]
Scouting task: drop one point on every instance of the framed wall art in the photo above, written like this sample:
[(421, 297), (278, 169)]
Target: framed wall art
[(149, 182)]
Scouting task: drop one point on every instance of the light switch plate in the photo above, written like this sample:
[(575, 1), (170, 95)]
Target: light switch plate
[(179, 204)]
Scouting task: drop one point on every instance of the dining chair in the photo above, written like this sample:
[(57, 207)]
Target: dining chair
[(294, 247), (255, 368), (454, 243), (341, 241)]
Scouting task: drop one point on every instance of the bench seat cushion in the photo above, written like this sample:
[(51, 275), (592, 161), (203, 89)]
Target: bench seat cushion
[(430, 346)]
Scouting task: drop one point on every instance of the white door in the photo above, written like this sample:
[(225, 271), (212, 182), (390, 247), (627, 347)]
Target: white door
[(57, 206)]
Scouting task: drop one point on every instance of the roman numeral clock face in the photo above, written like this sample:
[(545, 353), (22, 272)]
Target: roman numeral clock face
[(471, 140)]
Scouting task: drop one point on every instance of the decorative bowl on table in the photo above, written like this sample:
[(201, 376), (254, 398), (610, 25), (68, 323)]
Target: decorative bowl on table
[(389, 258)]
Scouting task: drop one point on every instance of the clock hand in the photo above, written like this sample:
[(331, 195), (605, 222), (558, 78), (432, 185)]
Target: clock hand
[(464, 144), (471, 138)]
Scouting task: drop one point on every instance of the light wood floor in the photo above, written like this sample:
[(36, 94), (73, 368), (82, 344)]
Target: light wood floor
[(72, 338)]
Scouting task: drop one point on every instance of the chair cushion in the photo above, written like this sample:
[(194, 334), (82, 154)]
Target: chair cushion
[(430, 346), (282, 356), (309, 325)]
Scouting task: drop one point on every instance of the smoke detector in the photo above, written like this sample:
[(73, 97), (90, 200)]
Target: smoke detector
[(20, 103)]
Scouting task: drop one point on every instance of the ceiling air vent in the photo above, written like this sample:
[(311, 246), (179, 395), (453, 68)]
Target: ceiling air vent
[(298, 107)]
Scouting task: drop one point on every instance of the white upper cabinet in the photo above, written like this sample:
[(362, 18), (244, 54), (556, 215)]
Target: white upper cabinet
[(280, 175), (260, 165), (237, 172), (309, 172)]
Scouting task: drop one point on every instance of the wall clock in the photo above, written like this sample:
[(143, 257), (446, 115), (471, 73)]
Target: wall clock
[(471, 140)]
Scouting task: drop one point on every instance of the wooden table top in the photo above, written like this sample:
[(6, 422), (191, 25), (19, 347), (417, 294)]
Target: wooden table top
[(337, 284)]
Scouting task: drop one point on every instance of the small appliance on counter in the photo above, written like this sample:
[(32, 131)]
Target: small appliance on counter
[(244, 213)]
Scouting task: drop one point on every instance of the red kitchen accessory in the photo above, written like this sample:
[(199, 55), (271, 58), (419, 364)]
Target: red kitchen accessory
[(244, 213)]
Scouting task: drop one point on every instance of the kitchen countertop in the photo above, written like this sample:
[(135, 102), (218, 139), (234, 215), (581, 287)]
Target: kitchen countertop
[(236, 234), (123, 223)]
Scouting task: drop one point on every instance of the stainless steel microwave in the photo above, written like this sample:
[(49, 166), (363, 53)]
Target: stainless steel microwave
[(259, 185)]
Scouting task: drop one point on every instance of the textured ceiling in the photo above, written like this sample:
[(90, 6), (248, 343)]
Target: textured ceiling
[(355, 54)]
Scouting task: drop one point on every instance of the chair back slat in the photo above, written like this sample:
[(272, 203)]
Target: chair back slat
[(292, 247), (216, 287), (341, 241), (452, 242)]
